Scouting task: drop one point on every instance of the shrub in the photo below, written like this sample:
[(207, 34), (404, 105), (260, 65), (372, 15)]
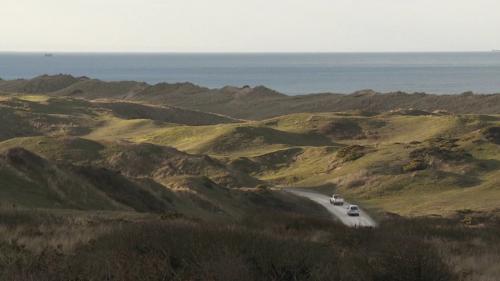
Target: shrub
[(342, 129), (415, 165), (493, 134), (351, 153)]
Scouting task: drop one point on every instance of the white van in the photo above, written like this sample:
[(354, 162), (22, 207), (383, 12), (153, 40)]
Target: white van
[(337, 200)]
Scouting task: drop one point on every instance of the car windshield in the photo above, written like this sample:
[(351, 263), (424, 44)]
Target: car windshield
[(354, 208), (336, 196)]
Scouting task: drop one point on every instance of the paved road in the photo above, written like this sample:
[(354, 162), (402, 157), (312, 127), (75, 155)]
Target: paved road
[(339, 212)]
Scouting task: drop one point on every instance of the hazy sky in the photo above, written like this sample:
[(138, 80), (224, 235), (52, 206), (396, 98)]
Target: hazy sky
[(249, 25)]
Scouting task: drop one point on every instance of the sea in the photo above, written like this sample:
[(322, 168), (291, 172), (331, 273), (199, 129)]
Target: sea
[(289, 73)]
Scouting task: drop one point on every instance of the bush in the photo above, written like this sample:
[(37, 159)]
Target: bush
[(415, 165), (493, 134), (351, 153), (342, 129)]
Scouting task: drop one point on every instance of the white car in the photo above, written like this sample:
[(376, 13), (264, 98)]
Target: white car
[(337, 200), (352, 210)]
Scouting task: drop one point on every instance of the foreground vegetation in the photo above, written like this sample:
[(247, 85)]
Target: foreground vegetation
[(45, 245)]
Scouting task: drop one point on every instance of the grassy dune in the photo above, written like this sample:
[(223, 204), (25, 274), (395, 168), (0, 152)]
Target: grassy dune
[(405, 161)]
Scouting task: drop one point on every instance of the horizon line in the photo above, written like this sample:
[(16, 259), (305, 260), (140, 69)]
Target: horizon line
[(242, 52)]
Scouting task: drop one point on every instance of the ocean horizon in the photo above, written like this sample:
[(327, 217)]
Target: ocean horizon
[(289, 73)]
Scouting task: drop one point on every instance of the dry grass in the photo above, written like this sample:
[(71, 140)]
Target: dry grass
[(278, 246)]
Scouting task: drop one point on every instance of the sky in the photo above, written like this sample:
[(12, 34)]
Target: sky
[(249, 25)]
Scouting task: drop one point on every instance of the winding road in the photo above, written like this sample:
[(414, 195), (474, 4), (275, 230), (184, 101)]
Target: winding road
[(364, 220)]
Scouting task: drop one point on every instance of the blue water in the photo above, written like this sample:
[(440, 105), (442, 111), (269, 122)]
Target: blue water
[(449, 73)]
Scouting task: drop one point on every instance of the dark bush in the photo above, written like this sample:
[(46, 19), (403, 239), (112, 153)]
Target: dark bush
[(342, 129), (415, 165), (351, 153), (493, 134)]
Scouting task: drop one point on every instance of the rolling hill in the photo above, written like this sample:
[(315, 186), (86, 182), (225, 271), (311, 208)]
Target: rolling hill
[(28, 115), (161, 148), (251, 103), (30, 181), (39, 85)]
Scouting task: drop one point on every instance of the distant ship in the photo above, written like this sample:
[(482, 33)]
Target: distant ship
[(48, 55)]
